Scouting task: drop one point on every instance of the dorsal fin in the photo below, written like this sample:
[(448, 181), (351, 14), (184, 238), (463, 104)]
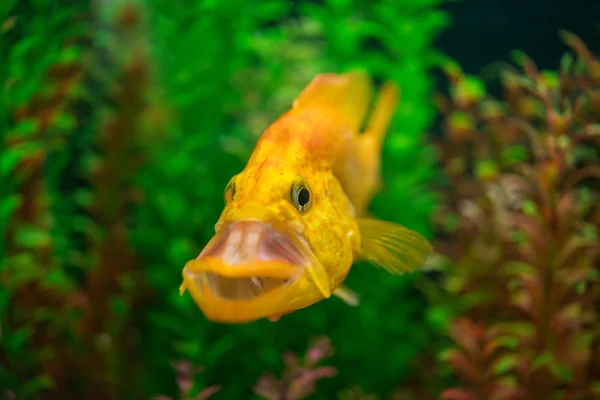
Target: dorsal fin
[(322, 121), (347, 97)]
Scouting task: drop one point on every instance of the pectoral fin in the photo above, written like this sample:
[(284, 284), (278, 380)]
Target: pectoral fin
[(277, 317), (349, 296), (392, 246)]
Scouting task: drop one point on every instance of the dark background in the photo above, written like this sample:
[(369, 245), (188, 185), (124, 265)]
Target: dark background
[(484, 31)]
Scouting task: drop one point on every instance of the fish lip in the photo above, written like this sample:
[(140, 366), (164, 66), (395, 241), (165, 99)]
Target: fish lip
[(221, 308), (263, 269), (284, 245), (226, 310)]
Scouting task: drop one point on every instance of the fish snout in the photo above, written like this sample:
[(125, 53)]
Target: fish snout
[(249, 241), (252, 211), (248, 270)]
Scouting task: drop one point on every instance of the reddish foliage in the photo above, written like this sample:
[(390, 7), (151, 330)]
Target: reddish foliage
[(299, 379), (524, 242), (33, 210), (185, 382), (97, 330)]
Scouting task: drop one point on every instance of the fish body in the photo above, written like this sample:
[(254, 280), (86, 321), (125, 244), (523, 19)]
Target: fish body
[(293, 224)]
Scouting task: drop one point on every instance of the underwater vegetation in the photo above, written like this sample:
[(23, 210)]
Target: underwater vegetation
[(120, 125), (520, 230)]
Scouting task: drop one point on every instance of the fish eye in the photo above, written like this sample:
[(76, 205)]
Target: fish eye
[(229, 191), (301, 197)]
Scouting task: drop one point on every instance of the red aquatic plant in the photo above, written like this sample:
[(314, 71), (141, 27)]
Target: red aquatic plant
[(92, 303), (40, 130), (112, 171), (298, 380), (300, 377), (521, 223), (185, 383)]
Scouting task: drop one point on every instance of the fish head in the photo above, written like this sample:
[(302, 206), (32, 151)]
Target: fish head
[(278, 245)]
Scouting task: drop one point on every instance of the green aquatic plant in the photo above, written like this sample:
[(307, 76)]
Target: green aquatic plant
[(522, 219), (40, 76), (120, 124), (68, 271), (221, 95), (355, 393)]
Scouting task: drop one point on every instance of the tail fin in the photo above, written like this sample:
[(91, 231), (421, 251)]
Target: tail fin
[(382, 113), (369, 145), (345, 96)]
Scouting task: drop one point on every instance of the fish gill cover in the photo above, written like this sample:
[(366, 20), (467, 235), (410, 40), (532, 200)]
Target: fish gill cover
[(121, 123)]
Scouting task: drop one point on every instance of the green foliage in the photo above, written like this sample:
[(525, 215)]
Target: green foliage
[(121, 126), (37, 75), (227, 95)]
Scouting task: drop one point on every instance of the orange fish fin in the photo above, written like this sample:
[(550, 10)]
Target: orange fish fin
[(346, 97), (182, 289), (368, 181), (349, 296), (275, 318), (392, 246), (358, 167), (382, 113)]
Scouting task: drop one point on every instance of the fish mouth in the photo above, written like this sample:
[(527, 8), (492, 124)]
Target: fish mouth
[(242, 288), (253, 279), (247, 270)]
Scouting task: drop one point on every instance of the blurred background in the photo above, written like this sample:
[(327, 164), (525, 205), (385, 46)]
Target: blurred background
[(121, 122)]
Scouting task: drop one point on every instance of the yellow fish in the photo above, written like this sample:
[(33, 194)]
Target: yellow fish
[(293, 222)]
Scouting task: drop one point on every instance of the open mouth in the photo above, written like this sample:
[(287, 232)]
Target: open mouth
[(241, 288), (248, 259)]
